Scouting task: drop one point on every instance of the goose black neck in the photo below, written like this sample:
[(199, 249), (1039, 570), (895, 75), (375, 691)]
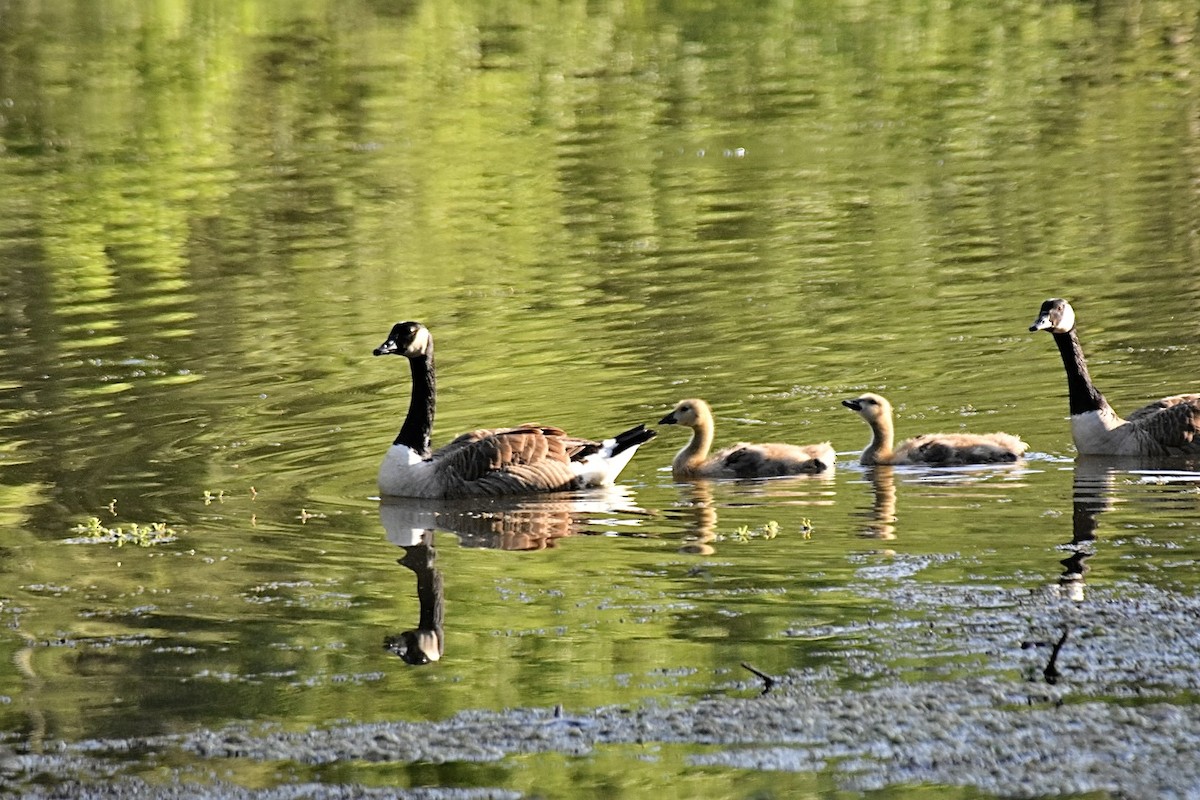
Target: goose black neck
[(1083, 396), (417, 430)]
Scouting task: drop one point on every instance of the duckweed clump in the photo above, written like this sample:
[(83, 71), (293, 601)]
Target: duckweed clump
[(95, 532), (770, 530)]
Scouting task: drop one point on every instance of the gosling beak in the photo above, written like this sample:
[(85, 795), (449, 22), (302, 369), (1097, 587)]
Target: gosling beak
[(853, 405), (669, 419)]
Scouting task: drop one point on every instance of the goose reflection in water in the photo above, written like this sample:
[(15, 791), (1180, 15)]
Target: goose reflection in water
[(1094, 493), (426, 642), (1091, 496), (534, 522)]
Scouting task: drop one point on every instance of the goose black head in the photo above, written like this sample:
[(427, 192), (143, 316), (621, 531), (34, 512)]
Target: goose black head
[(1056, 316), (418, 647), (408, 339)]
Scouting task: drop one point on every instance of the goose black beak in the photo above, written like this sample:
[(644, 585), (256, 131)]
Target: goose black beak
[(1041, 323), (669, 419), (853, 405), (386, 348)]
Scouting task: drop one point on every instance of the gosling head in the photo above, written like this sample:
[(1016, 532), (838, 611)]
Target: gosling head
[(408, 339), (688, 413), (870, 407), (1056, 316)]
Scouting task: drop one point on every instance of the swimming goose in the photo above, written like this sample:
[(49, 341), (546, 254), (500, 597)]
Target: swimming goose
[(1170, 426), (527, 458), (739, 460), (942, 449)]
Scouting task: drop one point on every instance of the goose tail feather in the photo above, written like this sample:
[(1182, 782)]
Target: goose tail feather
[(601, 468), (635, 436)]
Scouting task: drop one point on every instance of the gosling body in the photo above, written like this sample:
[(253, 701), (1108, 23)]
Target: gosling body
[(934, 449), (741, 460)]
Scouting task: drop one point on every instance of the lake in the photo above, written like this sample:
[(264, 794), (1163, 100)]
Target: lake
[(211, 213)]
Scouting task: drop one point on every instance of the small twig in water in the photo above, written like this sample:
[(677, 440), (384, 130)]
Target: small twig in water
[(768, 681), (1051, 671)]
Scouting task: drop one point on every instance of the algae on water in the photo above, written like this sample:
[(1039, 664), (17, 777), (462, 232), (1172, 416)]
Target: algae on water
[(95, 532)]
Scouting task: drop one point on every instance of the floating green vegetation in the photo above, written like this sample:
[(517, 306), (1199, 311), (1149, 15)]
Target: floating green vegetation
[(95, 532), (770, 530)]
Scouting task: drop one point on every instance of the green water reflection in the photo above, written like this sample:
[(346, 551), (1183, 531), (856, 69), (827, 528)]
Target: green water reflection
[(209, 213)]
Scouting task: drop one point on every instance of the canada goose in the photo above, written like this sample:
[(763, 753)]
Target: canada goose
[(527, 458), (739, 460), (943, 449), (1170, 426)]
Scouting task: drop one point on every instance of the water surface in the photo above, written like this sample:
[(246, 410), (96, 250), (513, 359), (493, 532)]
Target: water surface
[(209, 216)]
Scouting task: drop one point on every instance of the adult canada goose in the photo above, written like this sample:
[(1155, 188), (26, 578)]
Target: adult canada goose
[(1170, 426), (944, 449), (739, 460), (527, 458)]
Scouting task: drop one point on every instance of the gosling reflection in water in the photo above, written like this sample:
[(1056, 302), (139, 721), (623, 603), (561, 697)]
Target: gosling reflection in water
[(701, 515), (509, 523), (697, 506), (882, 516)]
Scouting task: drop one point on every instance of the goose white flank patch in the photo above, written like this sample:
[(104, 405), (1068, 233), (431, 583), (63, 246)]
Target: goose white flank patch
[(500, 461), (935, 449), (1166, 427), (740, 460)]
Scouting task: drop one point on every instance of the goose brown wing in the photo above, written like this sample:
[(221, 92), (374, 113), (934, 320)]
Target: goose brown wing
[(1173, 422), (501, 461)]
